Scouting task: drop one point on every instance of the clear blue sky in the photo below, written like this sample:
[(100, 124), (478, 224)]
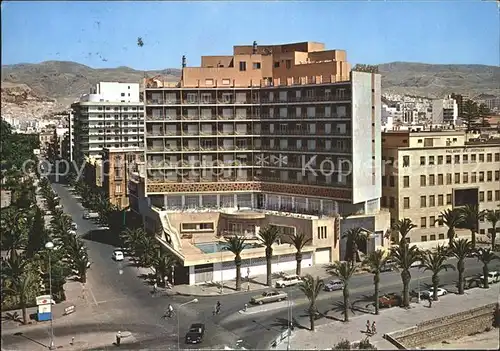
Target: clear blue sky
[(446, 31)]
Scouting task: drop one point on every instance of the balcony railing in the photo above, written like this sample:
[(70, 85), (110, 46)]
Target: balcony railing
[(305, 132), (161, 118), (291, 99)]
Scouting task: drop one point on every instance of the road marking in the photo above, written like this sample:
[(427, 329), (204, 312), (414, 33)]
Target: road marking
[(92, 295)]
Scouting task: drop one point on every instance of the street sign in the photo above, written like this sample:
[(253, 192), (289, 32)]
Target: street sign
[(69, 310)]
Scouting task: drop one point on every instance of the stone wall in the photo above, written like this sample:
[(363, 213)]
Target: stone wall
[(443, 328)]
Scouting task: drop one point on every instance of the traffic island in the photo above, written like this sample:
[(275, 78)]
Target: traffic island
[(251, 309)]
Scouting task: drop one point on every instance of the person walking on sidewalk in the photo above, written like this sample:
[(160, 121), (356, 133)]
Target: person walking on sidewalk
[(374, 328), (430, 300), (368, 330)]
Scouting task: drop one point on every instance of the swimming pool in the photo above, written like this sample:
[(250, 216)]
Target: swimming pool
[(218, 246)]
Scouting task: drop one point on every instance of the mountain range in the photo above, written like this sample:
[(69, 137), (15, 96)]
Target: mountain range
[(63, 82)]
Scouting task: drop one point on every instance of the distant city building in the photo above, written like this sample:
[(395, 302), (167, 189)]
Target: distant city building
[(5, 198), (111, 116), (492, 104), (445, 111)]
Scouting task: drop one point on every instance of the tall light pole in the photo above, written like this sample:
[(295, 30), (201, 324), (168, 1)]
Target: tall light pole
[(49, 246), (221, 274), (178, 323), (290, 320)]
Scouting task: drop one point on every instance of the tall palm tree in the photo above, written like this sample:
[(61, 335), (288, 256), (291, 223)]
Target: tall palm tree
[(268, 236), (14, 224), (472, 215), (356, 237), (311, 287), (376, 260), (493, 216), (299, 241), (403, 227), (344, 271), (236, 245), (486, 256), (405, 257), (163, 263), (435, 262), (452, 219), (460, 249)]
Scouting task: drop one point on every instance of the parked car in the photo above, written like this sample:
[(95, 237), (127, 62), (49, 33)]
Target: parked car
[(493, 277), (195, 333), (389, 266), (90, 215), (333, 285), (118, 255), (288, 280), (389, 300), (269, 296), (430, 292)]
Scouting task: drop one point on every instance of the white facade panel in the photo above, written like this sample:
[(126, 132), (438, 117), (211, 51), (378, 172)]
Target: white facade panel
[(323, 256)]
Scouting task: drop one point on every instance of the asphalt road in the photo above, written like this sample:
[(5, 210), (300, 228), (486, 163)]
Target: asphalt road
[(128, 304)]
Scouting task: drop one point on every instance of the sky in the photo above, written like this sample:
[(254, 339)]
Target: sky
[(104, 34)]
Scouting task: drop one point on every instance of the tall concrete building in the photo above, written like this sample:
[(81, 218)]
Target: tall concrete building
[(111, 116), (282, 135), (445, 111)]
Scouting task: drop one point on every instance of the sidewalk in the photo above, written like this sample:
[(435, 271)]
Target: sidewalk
[(327, 335), (253, 284)]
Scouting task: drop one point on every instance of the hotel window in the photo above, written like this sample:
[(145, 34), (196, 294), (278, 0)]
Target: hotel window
[(481, 157), (489, 157), (431, 160), (473, 158), (481, 176), (481, 196), (457, 178), (432, 221), (448, 159), (497, 175), (441, 236), (465, 177), (422, 180), (423, 238), (118, 189), (256, 65), (406, 161), (440, 160), (406, 202), (448, 178), (432, 179), (489, 176), (440, 220), (448, 199), (208, 82), (457, 158), (422, 160), (423, 222), (465, 158), (489, 195), (423, 202), (432, 200), (440, 200), (243, 66), (433, 237), (406, 182), (497, 157), (473, 177), (440, 179), (497, 195)]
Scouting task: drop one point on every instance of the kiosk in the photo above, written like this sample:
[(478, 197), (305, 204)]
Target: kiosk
[(44, 303)]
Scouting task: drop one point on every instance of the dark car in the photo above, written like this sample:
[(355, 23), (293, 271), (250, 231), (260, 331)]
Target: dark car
[(195, 333), (389, 300)]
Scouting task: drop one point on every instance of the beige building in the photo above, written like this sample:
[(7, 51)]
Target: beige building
[(427, 172), (282, 135)]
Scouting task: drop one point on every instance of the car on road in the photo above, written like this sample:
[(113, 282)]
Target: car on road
[(389, 300), (269, 296), (493, 277), (430, 292), (333, 285), (90, 215), (389, 266), (195, 333), (118, 255), (288, 280)]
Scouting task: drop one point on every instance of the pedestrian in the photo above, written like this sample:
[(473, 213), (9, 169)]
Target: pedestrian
[(170, 310), (430, 301), (374, 328), (118, 338), (155, 288), (368, 330)]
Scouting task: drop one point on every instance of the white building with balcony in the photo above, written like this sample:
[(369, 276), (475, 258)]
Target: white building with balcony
[(110, 116), (445, 111)]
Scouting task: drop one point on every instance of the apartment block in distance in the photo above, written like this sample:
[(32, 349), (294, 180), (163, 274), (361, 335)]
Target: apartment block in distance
[(281, 135), (430, 171), (111, 116)]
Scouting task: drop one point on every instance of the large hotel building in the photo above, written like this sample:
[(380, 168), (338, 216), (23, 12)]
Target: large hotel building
[(283, 135), (429, 171)]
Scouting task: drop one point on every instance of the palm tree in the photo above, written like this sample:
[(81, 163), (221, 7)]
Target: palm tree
[(493, 216), (460, 249), (37, 236), (435, 262), (78, 255), (344, 271), (130, 237), (376, 260), (268, 236), (14, 226), (356, 237), (311, 287), (163, 264), (299, 241), (405, 257), (486, 256), (452, 219), (403, 227), (471, 217), (236, 245)]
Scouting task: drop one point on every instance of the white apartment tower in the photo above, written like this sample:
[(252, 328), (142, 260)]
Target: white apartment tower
[(445, 111), (110, 116)]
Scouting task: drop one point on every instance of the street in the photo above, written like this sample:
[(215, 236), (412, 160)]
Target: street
[(121, 300)]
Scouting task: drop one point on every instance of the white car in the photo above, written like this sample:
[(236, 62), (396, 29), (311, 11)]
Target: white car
[(493, 277), (430, 292), (118, 255), (288, 280)]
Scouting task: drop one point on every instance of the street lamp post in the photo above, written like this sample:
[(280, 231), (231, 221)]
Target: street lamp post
[(290, 320), (49, 246), (221, 274), (178, 322)]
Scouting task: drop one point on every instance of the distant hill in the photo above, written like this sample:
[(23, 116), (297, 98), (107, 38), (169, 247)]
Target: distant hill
[(65, 81)]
